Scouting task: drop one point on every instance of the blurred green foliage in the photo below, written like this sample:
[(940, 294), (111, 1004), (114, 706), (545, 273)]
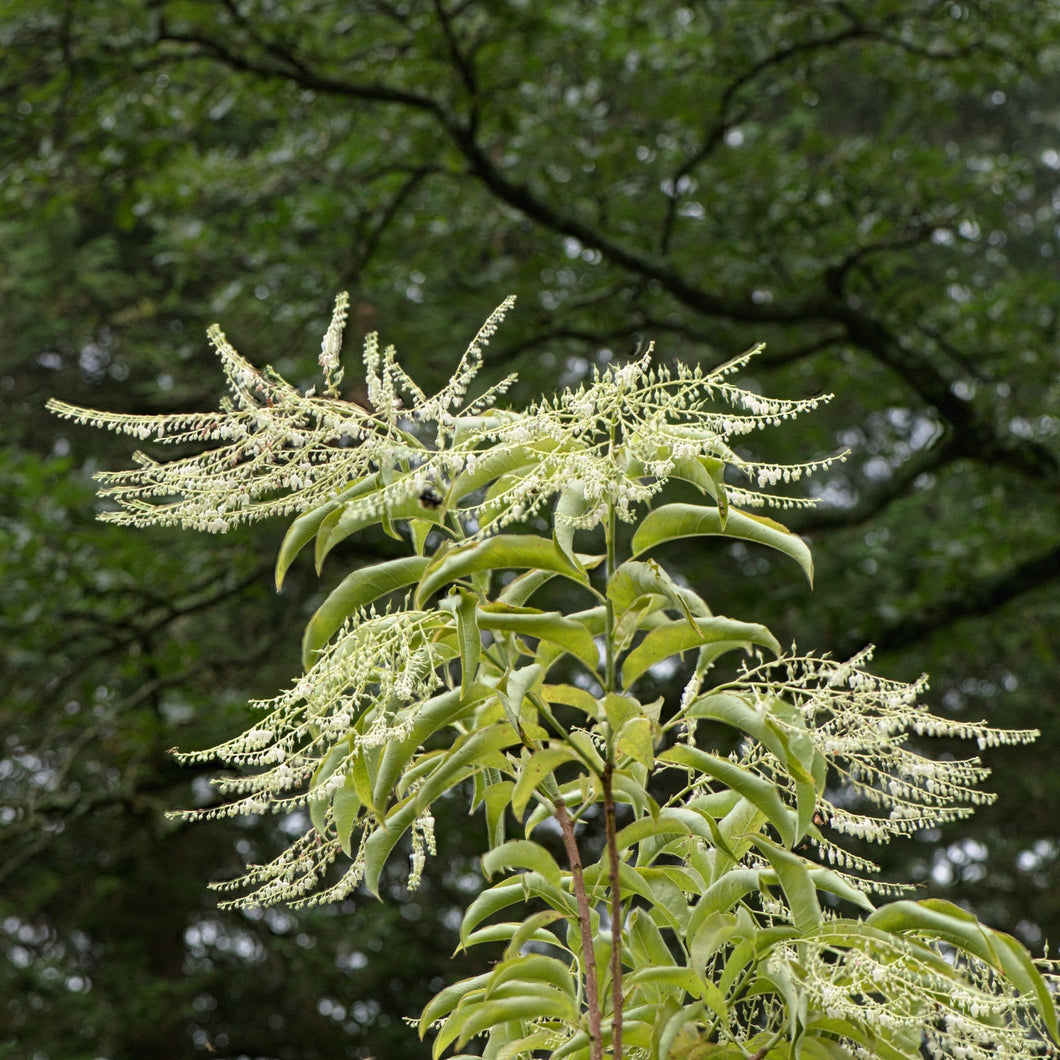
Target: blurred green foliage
[(869, 188)]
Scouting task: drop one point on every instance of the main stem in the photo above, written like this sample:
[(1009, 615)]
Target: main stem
[(592, 986), (616, 914), (610, 685)]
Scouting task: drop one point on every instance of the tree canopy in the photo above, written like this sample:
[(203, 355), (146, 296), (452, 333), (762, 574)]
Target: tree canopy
[(869, 189)]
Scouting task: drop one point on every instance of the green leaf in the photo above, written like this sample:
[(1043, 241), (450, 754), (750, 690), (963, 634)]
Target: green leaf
[(520, 707), (489, 466), (534, 770), (305, 527), (763, 795), (365, 764), (497, 799), (522, 854), (646, 941), (346, 808), (672, 522), (678, 636), (384, 838), (937, 918), (436, 713), (635, 579), (793, 749), (533, 967), (566, 632), (523, 586), (570, 506), (492, 900), (467, 755), (359, 514), (708, 931), (356, 590), (533, 929), (683, 980), (495, 553), (1019, 969), (446, 1000), (470, 639), (516, 933), (797, 881), (671, 821), (635, 739), (571, 696), (529, 1001)]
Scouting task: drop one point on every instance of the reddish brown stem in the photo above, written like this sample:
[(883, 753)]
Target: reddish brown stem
[(592, 986)]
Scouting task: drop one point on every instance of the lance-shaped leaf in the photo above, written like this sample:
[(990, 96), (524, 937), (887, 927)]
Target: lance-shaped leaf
[(525, 1000), (637, 578), (495, 553), (517, 933), (318, 807), (793, 749), (522, 854), (305, 527), (569, 634), (447, 708), (570, 506), (532, 967), (346, 809), (534, 770), (707, 473), (672, 522), (797, 882), (470, 638), (678, 635), (487, 903), (446, 1000), (361, 513), (760, 793), (490, 466), (468, 755), (356, 590)]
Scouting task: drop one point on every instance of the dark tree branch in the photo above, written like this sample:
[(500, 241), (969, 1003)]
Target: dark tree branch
[(980, 597), (875, 499), (979, 438), (463, 66)]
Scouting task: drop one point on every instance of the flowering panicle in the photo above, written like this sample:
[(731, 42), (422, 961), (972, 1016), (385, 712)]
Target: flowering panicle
[(621, 436), (271, 450), (331, 346), (361, 694), (861, 724), (906, 986)]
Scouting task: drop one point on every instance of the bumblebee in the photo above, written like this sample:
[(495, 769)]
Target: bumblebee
[(431, 498)]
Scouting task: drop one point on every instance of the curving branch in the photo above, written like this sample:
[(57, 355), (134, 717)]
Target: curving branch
[(976, 435), (976, 598)]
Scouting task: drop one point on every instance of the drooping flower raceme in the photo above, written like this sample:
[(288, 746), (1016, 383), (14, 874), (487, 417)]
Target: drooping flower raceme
[(272, 450)]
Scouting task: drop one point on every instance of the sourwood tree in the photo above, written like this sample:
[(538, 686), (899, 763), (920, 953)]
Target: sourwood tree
[(705, 903)]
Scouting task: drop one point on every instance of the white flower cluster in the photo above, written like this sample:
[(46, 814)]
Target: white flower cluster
[(879, 786), (361, 694), (630, 429), (271, 450), (907, 988)]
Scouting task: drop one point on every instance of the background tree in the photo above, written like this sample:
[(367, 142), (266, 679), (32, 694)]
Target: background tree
[(868, 188)]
